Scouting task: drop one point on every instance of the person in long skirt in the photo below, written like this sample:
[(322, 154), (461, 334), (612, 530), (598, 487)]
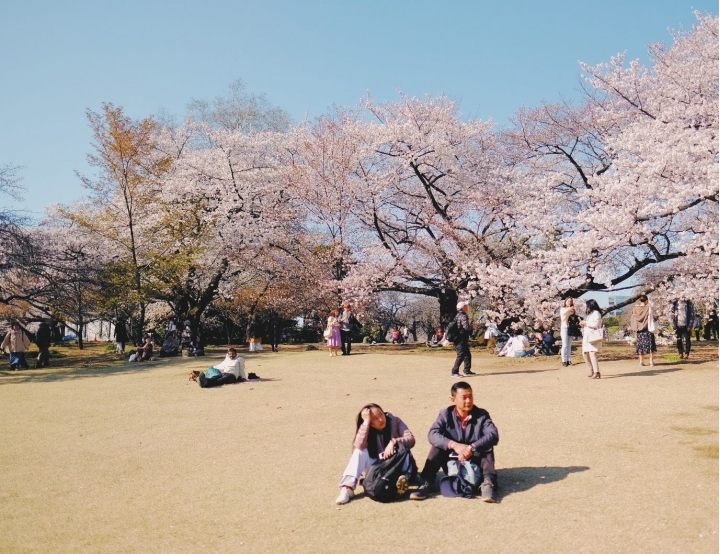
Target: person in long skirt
[(334, 342), (641, 313)]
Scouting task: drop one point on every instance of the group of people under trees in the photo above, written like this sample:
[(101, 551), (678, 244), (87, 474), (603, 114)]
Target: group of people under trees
[(173, 343), (683, 320)]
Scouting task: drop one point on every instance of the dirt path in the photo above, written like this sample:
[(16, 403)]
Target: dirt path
[(138, 459)]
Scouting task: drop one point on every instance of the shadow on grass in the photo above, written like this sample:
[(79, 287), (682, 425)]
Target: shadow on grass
[(519, 371), (103, 369), (68, 374), (520, 479), (645, 373)]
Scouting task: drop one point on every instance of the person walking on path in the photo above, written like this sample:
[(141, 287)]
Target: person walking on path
[(639, 321), (18, 343), (334, 341), (591, 343), (121, 336), (683, 317), (566, 311), (43, 339), (347, 320), (462, 341)]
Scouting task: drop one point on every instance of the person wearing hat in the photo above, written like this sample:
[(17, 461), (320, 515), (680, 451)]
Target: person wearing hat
[(463, 437), (462, 344)]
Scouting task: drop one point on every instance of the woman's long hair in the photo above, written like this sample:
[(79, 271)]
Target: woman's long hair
[(592, 306), (372, 432)]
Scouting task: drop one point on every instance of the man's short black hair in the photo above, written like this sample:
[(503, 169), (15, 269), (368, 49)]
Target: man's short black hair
[(459, 385)]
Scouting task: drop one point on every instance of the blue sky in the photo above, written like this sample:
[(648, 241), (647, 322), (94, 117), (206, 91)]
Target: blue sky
[(61, 58)]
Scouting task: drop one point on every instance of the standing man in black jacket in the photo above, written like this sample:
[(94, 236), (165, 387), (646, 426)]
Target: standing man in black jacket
[(43, 338), (464, 431), (683, 317), (462, 343)]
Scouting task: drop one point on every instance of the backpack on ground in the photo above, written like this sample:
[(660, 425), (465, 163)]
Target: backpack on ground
[(381, 480)]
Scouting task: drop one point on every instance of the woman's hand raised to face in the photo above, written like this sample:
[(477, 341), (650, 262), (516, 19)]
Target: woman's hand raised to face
[(365, 414)]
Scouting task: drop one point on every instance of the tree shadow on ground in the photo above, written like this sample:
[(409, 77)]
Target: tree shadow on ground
[(520, 371), (52, 374), (65, 374), (645, 373), (520, 479)]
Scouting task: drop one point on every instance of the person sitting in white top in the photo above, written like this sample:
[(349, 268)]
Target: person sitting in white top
[(519, 346), (232, 369), (491, 330)]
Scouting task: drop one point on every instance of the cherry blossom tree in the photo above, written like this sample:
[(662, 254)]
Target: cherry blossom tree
[(122, 214), (622, 191), (419, 192)]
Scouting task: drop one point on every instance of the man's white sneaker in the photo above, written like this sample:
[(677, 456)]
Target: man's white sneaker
[(345, 495)]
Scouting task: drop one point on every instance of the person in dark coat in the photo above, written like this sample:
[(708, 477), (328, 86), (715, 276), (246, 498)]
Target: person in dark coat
[(464, 435), (43, 339), (462, 345), (683, 317), (121, 336), (712, 325)]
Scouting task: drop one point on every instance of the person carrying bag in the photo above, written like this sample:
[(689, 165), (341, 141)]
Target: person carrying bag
[(593, 335)]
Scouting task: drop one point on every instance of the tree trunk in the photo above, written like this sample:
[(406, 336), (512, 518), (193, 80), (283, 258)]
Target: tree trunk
[(448, 299), (80, 330)]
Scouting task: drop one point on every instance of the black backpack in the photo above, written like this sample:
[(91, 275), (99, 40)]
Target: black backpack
[(381, 480), (452, 333)]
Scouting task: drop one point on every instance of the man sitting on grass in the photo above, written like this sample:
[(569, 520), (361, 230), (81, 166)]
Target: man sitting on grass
[(464, 435), (170, 346), (231, 370)]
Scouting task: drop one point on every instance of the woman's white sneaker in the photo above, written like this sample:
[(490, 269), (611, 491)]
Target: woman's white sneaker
[(345, 495)]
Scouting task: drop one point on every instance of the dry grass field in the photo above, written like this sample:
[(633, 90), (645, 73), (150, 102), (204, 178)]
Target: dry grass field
[(102, 456)]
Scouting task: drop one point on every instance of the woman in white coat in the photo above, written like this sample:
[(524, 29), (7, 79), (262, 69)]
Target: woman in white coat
[(591, 345)]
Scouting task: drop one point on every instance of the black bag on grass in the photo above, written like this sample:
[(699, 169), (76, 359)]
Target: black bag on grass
[(381, 480)]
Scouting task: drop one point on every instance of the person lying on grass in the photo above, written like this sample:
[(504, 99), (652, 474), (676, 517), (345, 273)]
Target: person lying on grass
[(230, 370), (375, 438), (463, 437)]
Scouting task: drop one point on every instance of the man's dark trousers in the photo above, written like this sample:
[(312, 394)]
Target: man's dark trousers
[(222, 379), (438, 458), (683, 333), (346, 337), (43, 358), (463, 354)]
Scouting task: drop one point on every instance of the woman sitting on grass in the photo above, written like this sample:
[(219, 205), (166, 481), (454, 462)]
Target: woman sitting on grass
[(375, 439), (144, 352)]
